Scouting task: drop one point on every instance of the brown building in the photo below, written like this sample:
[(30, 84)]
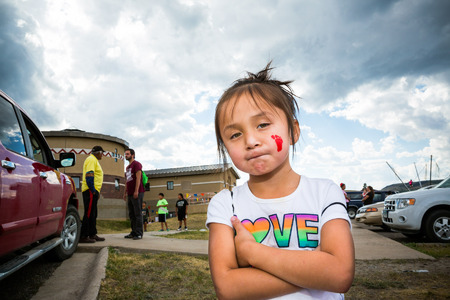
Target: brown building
[(111, 204), (198, 184)]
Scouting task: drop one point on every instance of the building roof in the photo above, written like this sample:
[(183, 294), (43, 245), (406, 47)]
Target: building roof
[(195, 170), (84, 134)]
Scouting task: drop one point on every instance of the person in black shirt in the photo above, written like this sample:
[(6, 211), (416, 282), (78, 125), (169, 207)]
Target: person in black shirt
[(368, 198), (181, 210)]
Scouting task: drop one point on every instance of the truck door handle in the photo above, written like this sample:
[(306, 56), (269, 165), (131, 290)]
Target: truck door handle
[(9, 165), (43, 175)]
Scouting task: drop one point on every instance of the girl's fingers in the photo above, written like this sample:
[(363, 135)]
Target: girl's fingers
[(236, 223)]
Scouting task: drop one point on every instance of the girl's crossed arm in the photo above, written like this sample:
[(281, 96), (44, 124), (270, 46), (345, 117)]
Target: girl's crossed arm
[(232, 282), (330, 269)]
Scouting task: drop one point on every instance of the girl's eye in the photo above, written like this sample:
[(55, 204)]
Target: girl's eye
[(236, 135), (263, 125)]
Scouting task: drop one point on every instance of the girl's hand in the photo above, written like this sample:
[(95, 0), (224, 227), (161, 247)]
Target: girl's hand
[(242, 241)]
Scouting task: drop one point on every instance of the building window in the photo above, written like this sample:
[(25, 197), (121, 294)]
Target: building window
[(117, 184), (76, 180), (115, 155), (170, 185), (147, 186)]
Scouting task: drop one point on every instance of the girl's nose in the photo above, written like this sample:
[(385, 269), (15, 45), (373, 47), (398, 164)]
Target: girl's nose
[(252, 141)]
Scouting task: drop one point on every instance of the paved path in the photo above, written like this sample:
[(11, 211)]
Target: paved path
[(152, 241), (85, 270), (370, 245)]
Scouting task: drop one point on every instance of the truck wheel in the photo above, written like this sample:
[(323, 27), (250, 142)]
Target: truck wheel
[(351, 212), (70, 236), (437, 226)]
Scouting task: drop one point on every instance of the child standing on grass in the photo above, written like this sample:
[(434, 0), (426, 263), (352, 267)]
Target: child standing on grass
[(145, 214), (162, 206), (253, 230)]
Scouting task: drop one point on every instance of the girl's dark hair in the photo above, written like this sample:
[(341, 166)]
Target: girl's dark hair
[(180, 194), (259, 86)]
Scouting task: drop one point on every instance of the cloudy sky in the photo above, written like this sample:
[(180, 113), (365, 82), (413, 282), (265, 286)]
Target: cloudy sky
[(373, 76)]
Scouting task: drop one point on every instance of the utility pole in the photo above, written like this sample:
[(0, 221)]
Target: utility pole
[(431, 166), (418, 177), (397, 176)]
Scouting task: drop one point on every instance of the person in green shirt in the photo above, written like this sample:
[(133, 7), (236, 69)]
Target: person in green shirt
[(163, 210)]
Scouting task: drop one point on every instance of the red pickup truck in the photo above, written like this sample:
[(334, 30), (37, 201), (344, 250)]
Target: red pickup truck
[(38, 203)]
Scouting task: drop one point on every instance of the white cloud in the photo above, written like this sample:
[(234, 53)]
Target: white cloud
[(151, 73)]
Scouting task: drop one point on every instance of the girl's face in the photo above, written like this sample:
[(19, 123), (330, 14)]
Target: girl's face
[(256, 138)]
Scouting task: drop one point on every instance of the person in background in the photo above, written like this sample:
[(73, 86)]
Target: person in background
[(364, 192), (90, 188), (181, 210), (162, 206), (347, 198), (134, 191), (145, 214), (368, 198)]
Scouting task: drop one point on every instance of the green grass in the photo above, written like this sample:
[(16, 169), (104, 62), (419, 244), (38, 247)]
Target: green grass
[(195, 222), (435, 250), (176, 276), (156, 276), (391, 279), (113, 226), (189, 235), (386, 281)]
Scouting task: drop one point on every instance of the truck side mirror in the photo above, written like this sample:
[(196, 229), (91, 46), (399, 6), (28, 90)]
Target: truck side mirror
[(66, 160)]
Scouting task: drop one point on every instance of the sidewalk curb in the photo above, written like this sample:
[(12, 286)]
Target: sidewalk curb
[(76, 278), (98, 272)]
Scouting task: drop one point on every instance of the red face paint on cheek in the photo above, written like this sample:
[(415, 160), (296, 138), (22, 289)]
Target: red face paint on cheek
[(279, 142)]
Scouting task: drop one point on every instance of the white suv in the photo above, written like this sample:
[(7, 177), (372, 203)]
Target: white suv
[(421, 212)]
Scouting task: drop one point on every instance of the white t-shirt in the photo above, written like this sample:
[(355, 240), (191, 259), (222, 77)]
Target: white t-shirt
[(292, 222)]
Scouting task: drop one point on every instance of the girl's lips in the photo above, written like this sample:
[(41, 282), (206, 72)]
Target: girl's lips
[(255, 155)]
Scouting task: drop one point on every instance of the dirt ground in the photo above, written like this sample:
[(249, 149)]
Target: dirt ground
[(401, 279)]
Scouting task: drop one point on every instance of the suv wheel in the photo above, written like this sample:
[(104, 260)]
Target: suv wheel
[(437, 226), (70, 236), (351, 212)]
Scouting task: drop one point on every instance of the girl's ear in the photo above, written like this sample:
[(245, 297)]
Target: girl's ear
[(296, 132)]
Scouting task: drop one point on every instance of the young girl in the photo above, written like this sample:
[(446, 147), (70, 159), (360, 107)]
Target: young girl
[(254, 229)]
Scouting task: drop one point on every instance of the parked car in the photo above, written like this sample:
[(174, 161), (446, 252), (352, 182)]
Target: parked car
[(356, 200), (38, 203), (372, 215), (421, 212), (427, 187)]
